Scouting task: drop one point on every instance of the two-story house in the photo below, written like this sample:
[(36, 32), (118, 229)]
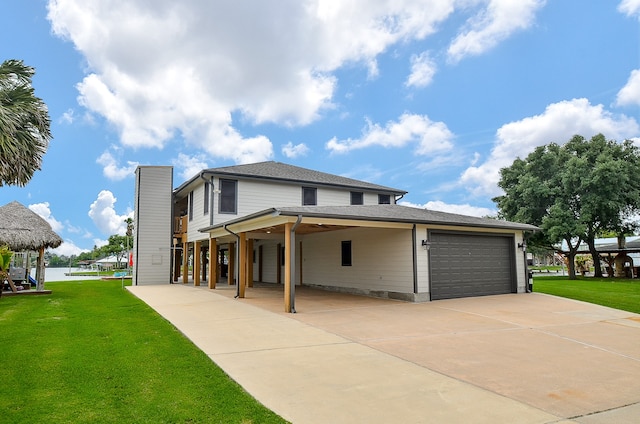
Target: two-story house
[(275, 223)]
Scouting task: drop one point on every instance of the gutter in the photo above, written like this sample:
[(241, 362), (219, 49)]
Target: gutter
[(237, 259)]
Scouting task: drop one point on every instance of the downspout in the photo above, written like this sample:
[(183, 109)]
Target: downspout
[(414, 240), (399, 198), (237, 258), (292, 264)]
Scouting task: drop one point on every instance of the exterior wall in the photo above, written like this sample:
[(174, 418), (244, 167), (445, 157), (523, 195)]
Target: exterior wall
[(199, 220), (382, 261), (270, 261), (521, 269), (152, 225), (254, 196)]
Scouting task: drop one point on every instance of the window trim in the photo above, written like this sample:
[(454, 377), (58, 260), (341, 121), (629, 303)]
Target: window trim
[(221, 182), (380, 196), (315, 195), (191, 205)]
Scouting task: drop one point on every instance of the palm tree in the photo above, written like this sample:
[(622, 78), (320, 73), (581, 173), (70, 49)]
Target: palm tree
[(24, 125)]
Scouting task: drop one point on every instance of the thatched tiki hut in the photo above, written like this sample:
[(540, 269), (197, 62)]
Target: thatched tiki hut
[(22, 229)]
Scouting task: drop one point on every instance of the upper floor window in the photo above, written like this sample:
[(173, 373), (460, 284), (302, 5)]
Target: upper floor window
[(309, 196), (190, 205), (228, 196), (357, 198), (384, 199), (206, 198)]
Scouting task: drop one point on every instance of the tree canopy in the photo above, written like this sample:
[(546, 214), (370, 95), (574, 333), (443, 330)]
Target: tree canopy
[(574, 192), (24, 125)]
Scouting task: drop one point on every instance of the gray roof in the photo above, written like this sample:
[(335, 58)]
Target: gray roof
[(388, 213), (399, 213), (23, 229), (277, 171)]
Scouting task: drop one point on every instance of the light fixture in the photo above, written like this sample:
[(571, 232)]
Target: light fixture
[(522, 245), (426, 244)]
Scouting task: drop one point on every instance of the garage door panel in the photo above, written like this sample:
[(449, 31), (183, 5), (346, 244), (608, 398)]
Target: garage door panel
[(464, 265)]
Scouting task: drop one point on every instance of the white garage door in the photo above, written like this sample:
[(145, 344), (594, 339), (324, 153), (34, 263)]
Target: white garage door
[(465, 265)]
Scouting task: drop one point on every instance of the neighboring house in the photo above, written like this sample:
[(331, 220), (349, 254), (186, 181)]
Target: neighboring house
[(275, 223)]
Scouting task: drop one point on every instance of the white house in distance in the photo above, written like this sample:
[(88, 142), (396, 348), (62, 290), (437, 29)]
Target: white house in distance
[(275, 223)]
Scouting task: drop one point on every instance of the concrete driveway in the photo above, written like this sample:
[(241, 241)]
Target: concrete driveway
[(521, 358)]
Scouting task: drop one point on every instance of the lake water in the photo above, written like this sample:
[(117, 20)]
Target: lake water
[(58, 274)]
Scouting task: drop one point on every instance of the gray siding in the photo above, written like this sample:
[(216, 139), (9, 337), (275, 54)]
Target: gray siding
[(152, 225), (382, 260)]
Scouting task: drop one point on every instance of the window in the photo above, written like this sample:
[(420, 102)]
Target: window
[(357, 198), (346, 253), (228, 196), (191, 206), (206, 198), (384, 199), (309, 196)]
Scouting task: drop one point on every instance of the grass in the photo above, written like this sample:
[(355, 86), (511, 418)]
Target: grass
[(612, 292), (92, 352)]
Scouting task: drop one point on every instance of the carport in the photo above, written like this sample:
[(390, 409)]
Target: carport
[(421, 242)]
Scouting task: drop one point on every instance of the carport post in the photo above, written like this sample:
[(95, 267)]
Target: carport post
[(242, 265), (213, 263), (185, 262), (197, 252), (290, 264), (287, 266)]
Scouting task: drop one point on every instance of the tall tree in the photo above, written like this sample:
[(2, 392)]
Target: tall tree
[(573, 192), (24, 125)]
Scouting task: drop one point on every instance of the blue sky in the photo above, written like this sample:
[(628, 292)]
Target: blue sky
[(429, 96)]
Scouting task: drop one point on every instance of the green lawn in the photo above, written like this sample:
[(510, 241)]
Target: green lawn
[(613, 292), (93, 353)]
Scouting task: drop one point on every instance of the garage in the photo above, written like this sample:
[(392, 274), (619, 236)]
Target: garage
[(471, 264)]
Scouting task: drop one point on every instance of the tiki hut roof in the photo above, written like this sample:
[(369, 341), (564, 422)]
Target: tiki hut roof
[(23, 229)]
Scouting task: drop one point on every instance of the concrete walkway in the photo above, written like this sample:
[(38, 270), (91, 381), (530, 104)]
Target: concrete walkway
[(527, 358)]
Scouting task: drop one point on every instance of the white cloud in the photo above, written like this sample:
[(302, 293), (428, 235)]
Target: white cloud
[(165, 69), (111, 169), (102, 212), (430, 137), (42, 209), (190, 165), (630, 7), (559, 122), (465, 209), (423, 68), (291, 151), (630, 93), (68, 248), (100, 242), (492, 25), (67, 117)]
